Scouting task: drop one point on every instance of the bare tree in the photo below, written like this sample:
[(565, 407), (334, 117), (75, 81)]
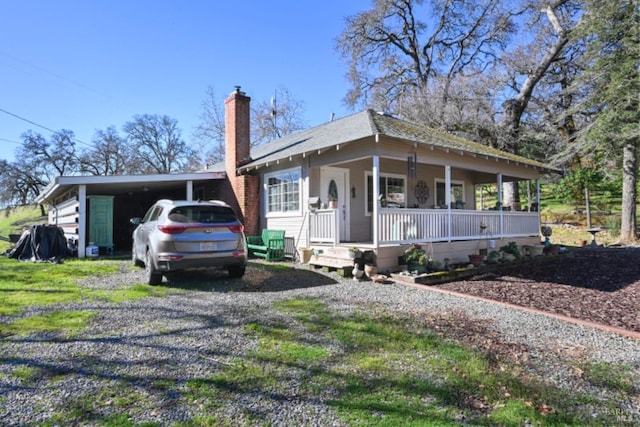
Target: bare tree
[(19, 184), (397, 61), (271, 119), (110, 154), (54, 157), (275, 118), (158, 142), (38, 161), (209, 133)]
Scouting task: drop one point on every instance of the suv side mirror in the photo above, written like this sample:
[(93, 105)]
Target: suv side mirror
[(135, 221)]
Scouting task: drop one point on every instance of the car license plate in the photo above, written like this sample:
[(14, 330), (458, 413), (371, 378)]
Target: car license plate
[(207, 246)]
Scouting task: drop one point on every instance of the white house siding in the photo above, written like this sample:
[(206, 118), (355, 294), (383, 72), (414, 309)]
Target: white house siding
[(295, 226), (66, 215)]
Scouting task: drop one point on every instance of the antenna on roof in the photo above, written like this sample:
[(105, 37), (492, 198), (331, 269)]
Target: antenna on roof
[(274, 115)]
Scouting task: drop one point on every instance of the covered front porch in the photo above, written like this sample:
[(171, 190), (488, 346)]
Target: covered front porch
[(449, 233), (449, 228)]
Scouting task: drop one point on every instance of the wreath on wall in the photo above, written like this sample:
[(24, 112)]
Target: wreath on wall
[(421, 192)]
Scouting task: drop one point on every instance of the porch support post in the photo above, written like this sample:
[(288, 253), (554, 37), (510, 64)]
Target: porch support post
[(501, 231), (189, 190), (376, 198), (447, 198), (82, 220), (538, 201)]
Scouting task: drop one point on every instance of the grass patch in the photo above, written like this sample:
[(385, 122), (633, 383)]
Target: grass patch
[(28, 284), (391, 370), (614, 377), (26, 374), (25, 284), (67, 321)]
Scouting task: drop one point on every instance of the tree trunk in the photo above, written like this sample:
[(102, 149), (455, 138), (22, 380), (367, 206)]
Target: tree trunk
[(42, 211), (511, 195), (629, 193), (515, 108)]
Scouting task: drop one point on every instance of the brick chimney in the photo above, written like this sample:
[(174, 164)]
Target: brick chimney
[(237, 122)]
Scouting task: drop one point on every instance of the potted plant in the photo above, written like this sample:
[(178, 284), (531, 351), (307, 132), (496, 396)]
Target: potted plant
[(355, 252), (476, 259), (333, 202), (494, 257), (417, 258), (510, 251)]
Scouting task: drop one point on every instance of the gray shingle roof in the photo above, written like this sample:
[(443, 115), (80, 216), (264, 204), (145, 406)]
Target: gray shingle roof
[(368, 123)]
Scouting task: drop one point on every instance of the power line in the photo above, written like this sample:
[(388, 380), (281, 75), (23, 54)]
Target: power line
[(40, 126)]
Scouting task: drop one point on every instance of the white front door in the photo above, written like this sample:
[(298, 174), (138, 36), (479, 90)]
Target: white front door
[(334, 184)]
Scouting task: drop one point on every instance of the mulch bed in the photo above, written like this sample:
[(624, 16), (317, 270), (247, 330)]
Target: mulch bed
[(597, 285)]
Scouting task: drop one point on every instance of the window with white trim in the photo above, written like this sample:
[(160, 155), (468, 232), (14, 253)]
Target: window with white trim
[(393, 191), (457, 194), (283, 191)]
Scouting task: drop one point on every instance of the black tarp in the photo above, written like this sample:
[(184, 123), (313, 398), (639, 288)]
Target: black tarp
[(41, 243)]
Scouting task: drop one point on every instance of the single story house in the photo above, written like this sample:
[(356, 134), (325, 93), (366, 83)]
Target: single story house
[(368, 180)]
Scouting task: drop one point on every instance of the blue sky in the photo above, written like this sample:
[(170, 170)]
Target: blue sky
[(87, 65)]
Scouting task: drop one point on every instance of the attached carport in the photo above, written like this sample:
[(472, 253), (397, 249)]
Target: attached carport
[(70, 200)]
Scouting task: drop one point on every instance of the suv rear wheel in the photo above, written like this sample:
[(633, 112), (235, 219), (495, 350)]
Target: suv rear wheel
[(236, 272), (152, 276)]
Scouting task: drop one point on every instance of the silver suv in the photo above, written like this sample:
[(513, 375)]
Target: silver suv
[(177, 235)]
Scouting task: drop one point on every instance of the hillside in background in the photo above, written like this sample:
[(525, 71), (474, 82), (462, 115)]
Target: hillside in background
[(12, 221)]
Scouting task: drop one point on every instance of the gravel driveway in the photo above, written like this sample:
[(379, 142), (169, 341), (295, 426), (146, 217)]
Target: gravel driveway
[(191, 334)]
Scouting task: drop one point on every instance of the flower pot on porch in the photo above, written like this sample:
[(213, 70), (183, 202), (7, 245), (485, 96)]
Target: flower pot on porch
[(476, 259), (417, 268), (305, 254), (533, 250), (370, 270)]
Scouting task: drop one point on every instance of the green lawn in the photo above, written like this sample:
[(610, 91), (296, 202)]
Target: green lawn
[(374, 367)]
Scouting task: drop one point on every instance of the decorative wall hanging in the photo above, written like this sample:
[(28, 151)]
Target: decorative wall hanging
[(421, 192)]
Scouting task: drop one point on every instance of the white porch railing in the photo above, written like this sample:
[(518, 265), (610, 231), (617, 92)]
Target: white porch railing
[(438, 225), (323, 226), (432, 225)]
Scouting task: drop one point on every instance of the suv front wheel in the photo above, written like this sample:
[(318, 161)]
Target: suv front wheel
[(152, 276)]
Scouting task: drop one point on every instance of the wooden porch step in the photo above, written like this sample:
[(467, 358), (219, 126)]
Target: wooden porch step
[(342, 266)]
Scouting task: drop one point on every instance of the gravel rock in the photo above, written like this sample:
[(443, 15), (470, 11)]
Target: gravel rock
[(151, 348)]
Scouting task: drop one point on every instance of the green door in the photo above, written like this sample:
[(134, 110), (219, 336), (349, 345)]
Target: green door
[(101, 221)]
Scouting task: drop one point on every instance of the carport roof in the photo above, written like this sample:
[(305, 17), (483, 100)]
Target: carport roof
[(115, 184)]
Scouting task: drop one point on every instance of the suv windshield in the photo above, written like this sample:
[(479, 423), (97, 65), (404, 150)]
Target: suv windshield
[(202, 214)]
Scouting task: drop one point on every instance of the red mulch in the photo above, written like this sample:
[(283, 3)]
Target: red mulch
[(597, 285)]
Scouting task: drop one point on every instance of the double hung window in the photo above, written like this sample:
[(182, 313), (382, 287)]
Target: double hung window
[(283, 191)]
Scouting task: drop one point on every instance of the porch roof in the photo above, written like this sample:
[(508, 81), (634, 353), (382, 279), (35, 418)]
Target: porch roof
[(368, 124)]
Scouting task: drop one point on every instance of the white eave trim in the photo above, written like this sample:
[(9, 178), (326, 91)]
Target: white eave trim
[(123, 179)]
